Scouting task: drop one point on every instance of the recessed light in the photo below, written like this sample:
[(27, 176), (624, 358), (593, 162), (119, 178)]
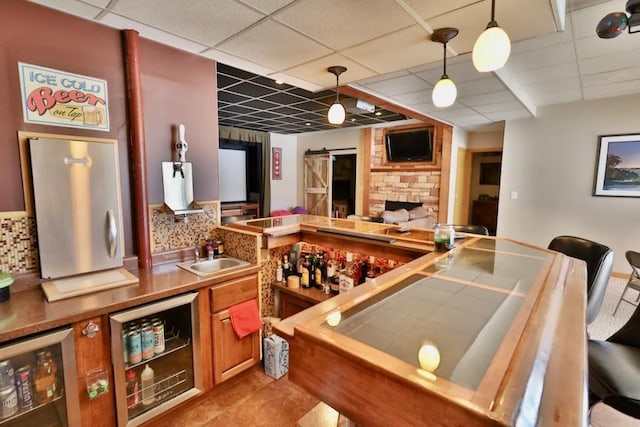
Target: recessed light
[(279, 82), (307, 124), (353, 119), (378, 113)]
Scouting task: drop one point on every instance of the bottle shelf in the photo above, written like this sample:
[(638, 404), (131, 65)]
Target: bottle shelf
[(32, 409), (164, 388), (172, 341)]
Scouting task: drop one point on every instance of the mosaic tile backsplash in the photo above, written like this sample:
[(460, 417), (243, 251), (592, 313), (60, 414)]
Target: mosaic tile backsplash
[(18, 245), (169, 232)]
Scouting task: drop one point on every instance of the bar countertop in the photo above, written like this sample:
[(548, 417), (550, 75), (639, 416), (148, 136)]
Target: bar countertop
[(490, 333), (27, 312)]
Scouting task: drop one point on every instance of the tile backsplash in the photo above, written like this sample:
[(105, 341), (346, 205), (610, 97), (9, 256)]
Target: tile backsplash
[(18, 245)]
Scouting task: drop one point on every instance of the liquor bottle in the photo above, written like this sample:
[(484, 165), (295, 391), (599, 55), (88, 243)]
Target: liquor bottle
[(347, 274), (45, 379), (285, 267), (321, 271), (363, 270), (371, 270), (304, 271), (279, 276), (312, 268)]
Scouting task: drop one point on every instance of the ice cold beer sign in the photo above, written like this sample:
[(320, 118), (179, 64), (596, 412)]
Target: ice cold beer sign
[(56, 98)]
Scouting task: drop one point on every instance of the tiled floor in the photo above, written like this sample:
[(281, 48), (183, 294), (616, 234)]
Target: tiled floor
[(251, 399)]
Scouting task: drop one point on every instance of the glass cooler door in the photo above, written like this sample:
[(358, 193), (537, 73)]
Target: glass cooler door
[(38, 382), (155, 352)]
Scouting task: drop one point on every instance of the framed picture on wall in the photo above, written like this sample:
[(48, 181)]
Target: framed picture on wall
[(618, 166)]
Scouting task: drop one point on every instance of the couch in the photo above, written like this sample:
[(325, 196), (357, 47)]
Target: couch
[(417, 217)]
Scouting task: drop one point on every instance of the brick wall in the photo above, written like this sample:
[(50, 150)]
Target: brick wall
[(401, 184)]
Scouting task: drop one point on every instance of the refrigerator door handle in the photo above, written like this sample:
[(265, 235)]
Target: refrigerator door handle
[(112, 233)]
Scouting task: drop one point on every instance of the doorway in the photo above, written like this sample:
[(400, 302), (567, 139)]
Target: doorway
[(343, 184)]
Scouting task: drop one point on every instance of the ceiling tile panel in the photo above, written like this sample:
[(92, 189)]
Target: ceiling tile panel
[(267, 6), (75, 7), (415, 98), (316, 71), (610, 62), (611, 90), (401, 85), (207, 24), (557, 72), (480, 86), (403, 49), (488, 98), (345, 23), (152, 33), (593, 46), (273, 45)]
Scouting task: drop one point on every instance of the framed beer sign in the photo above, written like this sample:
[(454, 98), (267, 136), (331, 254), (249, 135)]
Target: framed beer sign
[(57, 98)]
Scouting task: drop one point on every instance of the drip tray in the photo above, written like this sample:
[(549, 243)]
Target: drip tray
[(87, 283)]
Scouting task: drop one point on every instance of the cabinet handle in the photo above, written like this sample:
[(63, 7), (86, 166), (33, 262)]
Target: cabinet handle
[(226, 320), (91, 330)]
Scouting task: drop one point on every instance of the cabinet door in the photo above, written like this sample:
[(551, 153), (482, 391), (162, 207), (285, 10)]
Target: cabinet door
[(290, 305), (231, 355)]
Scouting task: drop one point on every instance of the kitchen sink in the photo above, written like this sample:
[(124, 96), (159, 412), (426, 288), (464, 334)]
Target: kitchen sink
[(211, 266)]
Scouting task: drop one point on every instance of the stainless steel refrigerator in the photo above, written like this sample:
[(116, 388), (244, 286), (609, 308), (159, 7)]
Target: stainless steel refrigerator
[(76, 191)]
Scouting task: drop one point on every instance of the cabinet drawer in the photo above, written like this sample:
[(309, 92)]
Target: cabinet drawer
[(234, 292)]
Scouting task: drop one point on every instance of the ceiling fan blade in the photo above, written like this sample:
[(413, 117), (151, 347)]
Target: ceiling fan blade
[(612, 25)]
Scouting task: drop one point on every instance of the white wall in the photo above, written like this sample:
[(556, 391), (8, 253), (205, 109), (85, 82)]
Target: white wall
[(283, 191), (459, 140), (550, 162), (333, 139)]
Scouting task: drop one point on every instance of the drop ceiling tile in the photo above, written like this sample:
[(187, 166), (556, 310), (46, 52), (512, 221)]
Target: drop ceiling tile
[(487, 98), (544, 41), (207, 25), (286, 111), (274, 45), (316, 71), (74, 7), (400, 85), (337, 29), (311, 95), (231, 97), (224, 81), (405, 48), (557, 72), (283, 98), (612, 77), (594, 46), (498, 107), (429, 9), (152, 33), (610, 62), (236, 62), (480, 86), (311, 106), (237, 109), (267, 6), (540, 58), (414, 98), (259, 104), (612, 89), (509, 115)]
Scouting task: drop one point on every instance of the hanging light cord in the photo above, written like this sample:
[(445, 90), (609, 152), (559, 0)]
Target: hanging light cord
[(337, 91), (444, 70), (493, 22)]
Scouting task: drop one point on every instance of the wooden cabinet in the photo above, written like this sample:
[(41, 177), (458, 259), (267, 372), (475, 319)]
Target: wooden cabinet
[(232, 355), (92, 347), (485, 212), (290, 305)]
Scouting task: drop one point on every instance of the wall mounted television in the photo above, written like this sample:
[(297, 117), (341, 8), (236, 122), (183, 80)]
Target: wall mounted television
[(410, 145)]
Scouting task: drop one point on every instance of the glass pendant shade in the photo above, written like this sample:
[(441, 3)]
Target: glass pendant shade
[(491, 50), (444, 93), (336, 114)]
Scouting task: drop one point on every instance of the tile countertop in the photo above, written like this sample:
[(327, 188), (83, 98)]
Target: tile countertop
[(28, 312)]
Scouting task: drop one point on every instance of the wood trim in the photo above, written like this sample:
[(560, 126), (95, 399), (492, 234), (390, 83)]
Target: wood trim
[(445, 174), (137, 148), (206, 339), (366, 161), (387, 105)]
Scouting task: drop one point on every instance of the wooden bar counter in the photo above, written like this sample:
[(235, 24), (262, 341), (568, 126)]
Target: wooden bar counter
[(491, 333)]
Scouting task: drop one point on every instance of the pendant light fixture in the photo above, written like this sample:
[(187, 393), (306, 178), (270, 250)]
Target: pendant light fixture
[(336, 112), (492, 48), (614, 24), (444, 93)]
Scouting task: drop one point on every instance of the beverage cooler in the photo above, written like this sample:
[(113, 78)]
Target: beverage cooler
[(38, 384), (155, 351)]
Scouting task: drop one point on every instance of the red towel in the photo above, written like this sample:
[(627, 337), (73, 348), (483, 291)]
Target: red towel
[(245, 319)]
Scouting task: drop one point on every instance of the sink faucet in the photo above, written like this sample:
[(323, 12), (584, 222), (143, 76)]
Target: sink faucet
[(197, 249)]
